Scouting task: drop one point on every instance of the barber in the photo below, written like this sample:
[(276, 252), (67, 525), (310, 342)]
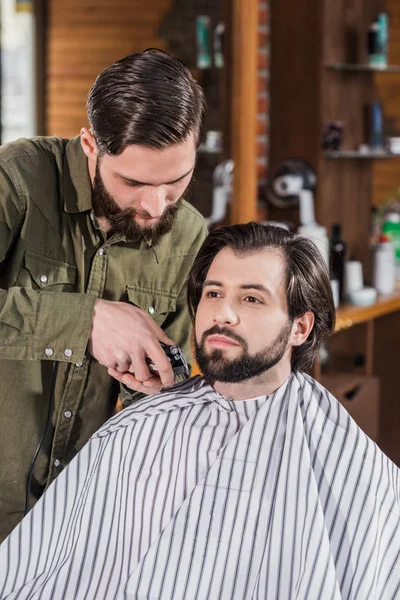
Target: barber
[(96, 243)]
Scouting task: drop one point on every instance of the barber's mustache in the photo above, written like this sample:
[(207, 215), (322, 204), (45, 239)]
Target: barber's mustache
[(216, 330)]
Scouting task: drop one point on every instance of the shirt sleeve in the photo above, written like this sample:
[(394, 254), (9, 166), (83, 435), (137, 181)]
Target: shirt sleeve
[(37, 324)]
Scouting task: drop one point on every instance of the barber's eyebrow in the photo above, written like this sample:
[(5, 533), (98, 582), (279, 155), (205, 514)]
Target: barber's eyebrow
[(136, 182)]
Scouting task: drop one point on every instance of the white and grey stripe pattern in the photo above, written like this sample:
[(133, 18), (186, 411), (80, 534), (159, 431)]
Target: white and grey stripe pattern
[(190, 496)]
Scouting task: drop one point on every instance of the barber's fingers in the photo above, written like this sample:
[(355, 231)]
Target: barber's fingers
[(123, 366), (136, 362), (151, 386), (139, 367), (120, 363), (160, 360)]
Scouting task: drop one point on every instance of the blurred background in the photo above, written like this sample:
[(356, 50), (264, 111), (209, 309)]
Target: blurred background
[(303, 129)]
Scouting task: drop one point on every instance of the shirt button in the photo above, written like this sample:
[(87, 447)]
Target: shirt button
[(56, 463), (68, 414), (151, 310), (79, 364), (43, 278), (49, 352), (67, 352), (101, 251)]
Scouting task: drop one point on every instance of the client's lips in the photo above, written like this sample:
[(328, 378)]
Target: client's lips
[(221, 340)]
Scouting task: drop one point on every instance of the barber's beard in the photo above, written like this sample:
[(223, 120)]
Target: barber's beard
[(215, 367), (123, 221)]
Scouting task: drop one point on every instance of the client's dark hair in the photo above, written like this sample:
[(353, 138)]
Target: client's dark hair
[(150, 99), (307, 281)]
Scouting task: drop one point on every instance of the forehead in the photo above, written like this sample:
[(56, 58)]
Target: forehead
[(152, 165), (266, 267)]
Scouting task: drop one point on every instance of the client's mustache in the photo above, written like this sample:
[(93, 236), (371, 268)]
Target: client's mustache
[(216, 330)]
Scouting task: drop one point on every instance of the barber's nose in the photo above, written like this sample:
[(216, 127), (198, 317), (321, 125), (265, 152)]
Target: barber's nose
[(226, 314), (154, 202)]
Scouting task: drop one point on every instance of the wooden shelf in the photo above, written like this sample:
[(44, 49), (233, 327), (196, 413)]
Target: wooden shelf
[(349, 315), (351, 154), (360, 67)]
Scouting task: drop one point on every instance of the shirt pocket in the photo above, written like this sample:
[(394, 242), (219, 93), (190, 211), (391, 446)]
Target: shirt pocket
[(156, 303), (41, 272)]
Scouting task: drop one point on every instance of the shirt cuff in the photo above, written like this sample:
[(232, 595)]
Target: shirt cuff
[(63, 326)]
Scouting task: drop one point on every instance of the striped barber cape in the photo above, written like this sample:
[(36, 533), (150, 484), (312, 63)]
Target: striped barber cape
[(189, 495)]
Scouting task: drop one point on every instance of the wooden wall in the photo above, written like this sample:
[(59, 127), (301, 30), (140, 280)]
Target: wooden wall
[(84, 37), (386, 173), (263, 62)]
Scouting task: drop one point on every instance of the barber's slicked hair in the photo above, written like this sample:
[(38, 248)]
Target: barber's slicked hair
[(150, 99), (308, 286)]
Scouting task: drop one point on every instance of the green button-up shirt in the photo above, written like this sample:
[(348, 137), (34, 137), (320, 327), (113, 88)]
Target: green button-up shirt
[(54, 263)]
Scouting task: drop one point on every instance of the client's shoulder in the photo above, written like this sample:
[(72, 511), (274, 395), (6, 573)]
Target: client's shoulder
[(342, 448), (179, 397)]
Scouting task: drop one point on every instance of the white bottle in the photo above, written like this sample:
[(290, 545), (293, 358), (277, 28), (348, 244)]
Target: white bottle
[(384, 266), (353, 277), (318, 235)]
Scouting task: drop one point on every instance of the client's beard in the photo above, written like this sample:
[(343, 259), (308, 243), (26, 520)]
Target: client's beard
[(122, 221), (215, 367)]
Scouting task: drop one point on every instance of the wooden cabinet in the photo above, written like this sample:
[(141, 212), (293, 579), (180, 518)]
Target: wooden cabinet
[(318, 48)]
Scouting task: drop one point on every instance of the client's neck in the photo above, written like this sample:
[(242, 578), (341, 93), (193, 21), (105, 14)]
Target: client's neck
[(262, 385)]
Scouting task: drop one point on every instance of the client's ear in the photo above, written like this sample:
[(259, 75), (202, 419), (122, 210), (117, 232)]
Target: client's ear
[(88, 144), (302, 327)]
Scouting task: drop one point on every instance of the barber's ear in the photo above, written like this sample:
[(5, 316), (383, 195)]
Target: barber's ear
[(302, 327), (88, 144)]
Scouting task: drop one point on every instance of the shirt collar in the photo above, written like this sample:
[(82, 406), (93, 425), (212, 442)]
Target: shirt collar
[(77, 186)]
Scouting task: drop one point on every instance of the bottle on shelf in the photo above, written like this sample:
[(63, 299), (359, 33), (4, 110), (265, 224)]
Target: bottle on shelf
[(391, 228), (384, 265), (337, 249), (377, 41), (387, 221)]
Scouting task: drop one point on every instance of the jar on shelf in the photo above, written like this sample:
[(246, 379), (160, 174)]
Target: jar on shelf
[(384, 272)]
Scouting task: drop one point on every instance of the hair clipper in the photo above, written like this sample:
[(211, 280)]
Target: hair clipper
[(177, 359)]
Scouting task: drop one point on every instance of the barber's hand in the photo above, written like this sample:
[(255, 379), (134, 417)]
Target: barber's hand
[(151, 386), (121, 337)]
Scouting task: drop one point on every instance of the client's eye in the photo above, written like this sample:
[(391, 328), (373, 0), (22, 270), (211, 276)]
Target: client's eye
[(252, 300)]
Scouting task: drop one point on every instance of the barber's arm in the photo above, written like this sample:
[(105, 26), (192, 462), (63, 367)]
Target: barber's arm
[(58, 326), (46, 325), (35, 325)]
